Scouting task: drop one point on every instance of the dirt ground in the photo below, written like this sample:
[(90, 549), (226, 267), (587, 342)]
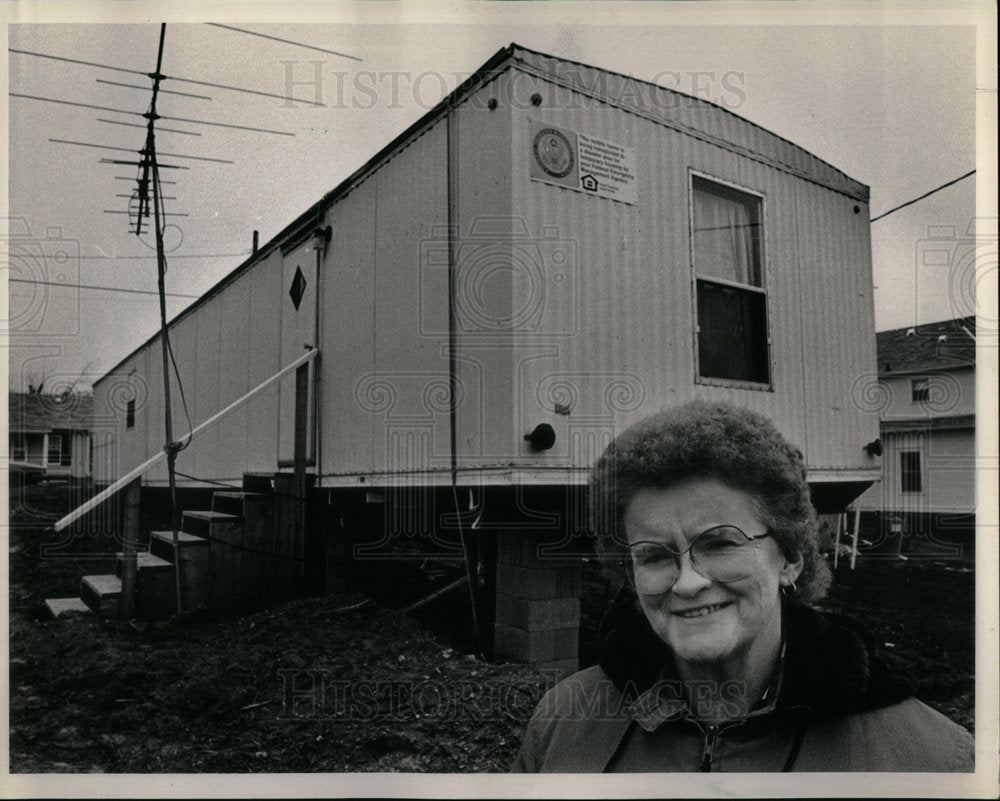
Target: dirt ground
[(341, 683)]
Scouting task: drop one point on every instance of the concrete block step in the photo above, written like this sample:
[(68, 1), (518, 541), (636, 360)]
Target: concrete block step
[(102, 593), (57, 607), (214, 525), (155, 591), (145, 562), (258, 482), (231, 503), (236, 503), (195, 563), (161, 543)]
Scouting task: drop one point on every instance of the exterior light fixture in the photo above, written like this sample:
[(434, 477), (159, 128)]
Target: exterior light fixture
[(542, 437)]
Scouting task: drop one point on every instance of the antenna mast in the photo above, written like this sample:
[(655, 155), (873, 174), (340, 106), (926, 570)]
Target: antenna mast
[(150, 175)]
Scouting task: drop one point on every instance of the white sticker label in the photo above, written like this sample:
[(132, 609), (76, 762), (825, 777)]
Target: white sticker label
[(583, 162)]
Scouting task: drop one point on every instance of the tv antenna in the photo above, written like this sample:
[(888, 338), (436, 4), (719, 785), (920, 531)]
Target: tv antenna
[(149, 179)]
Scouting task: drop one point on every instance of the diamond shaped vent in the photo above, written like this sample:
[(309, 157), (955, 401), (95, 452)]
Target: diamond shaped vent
[(298, 288)]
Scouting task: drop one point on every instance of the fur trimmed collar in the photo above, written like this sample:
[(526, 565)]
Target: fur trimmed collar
[(831, 663)]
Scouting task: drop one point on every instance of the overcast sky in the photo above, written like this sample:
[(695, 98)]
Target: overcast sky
[(891, 105)]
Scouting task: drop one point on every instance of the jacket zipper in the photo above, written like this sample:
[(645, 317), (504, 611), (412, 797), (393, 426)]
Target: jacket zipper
[(708, 748)]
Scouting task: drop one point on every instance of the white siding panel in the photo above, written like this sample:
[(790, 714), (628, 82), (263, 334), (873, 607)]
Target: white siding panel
[(149, 409), (234, 355), (206, 389), (632, 347), (109, 426), (347, 308), (410, 361), (492, 258), (185, 345), (132, 442), (838, 328), (262, 410)]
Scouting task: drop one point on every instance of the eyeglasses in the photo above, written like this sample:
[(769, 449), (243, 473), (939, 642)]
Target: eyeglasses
[(718, 553)]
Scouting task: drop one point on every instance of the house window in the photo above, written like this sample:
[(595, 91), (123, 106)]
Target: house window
[(55, 450), (910, 471), (130, 414), (18, 450), (731, 304), (920, 390)]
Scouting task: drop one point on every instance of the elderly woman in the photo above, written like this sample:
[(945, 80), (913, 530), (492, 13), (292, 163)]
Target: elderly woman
[(711, 659)]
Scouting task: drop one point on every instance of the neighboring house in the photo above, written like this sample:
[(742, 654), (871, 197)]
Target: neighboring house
[(926, 377), (51, 432)]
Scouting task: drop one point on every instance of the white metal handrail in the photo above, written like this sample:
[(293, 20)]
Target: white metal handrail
[(134, 473)]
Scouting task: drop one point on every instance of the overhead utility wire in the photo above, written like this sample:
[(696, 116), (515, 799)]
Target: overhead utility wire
[(162, 77), (143, 114), (75, 61), (100, 288), (285, 41), (926, 194)]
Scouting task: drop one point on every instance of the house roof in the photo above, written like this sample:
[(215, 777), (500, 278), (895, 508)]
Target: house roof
[(39, 414), (924, 348), (694, 116)]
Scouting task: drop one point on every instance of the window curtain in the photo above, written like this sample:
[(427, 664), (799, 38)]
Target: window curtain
[(725, 239)]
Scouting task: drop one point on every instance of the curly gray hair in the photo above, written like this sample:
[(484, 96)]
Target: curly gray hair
[(713, 440)]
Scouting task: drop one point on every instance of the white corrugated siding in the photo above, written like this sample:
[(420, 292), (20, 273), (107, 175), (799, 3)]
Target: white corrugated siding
[(347, 304), (487, 263), (838, 324), (236, 345), (385, 371), (225, 347), (631, 350), (264, 314)]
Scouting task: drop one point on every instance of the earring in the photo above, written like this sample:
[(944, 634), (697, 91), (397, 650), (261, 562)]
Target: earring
[(789, 589)]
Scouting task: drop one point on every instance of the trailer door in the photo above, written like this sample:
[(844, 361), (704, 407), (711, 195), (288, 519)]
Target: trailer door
[(298, 333)]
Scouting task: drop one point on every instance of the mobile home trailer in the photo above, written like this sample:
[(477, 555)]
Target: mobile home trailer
[(552, 253)]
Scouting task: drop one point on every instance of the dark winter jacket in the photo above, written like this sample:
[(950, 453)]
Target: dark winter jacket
[(836, 706)]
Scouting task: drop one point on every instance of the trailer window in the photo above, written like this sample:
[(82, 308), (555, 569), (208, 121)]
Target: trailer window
[(910, 471), (55, 451), (731, 303)]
